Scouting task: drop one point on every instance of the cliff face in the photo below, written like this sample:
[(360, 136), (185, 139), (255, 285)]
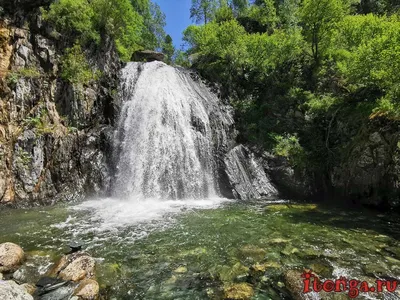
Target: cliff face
[(55, 137)]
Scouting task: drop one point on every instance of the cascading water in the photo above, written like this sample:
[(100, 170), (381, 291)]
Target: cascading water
[(174, 148), (161, 154)]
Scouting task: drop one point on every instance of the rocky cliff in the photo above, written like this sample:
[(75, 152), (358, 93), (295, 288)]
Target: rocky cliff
[(55, 136)]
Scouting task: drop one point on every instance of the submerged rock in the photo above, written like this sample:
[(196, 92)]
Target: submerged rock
[(181, 270), (11, 257), (11, 290), (239, 291), (253, 252)]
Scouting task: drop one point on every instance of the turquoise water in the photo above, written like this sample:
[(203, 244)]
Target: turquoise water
[(200, 253)]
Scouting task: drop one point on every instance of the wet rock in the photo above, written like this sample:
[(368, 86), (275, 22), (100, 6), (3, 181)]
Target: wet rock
[(239, 291), (88, 289), (33, 268), (148, 56), (233, 273), (323, 268), (265, 266), (294, 283), (246, 175), (75, 267), (61, 293), (11, 257), (11, 290)]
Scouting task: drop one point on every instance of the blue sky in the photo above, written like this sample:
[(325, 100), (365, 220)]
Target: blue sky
[(177, 18)]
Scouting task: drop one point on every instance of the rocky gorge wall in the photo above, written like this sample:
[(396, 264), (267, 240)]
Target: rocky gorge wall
[(55, 137)]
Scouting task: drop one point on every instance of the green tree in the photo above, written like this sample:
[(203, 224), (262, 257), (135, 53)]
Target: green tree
[(289, 13), (72, 18), (181, 59), (319, 18), (202, 11), (118, 19), (168, 49)]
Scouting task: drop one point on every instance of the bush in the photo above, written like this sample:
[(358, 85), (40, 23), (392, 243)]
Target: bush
[(75, 68)]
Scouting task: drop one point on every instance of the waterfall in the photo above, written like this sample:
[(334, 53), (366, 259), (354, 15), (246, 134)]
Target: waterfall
[(164, 140), (174, 141)]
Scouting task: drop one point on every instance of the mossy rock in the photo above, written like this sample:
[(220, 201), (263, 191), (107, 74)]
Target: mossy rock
[(278, 241), (253, 252), (181, 270), (194, 252), (238, 291)]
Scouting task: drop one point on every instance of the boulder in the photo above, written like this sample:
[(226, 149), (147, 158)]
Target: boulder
[(11, 290), (75, 267), (88, 289), (11, 257), (148, 56)]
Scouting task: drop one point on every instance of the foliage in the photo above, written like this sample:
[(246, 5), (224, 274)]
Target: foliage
[(319, 18), (75, 68), (181, 59), (14, 76), (202, 11), (132, 25), (304, 77), (120, 21), (168, 49), (40, 122), (74, 18), (288, 146)]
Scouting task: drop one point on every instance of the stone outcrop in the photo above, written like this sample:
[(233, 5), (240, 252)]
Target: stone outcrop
[(148, 56), (370, 172), (11, 257), (247, 175), (55, 136)]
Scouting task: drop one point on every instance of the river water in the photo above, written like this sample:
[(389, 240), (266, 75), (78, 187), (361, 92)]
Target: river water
[(194, 249)]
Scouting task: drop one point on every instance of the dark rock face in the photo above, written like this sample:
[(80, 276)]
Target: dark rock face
[(55, 137), (370, 173), (148, 56), (247, 175)]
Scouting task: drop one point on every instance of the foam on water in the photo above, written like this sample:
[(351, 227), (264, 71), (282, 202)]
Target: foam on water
[(112, 214)]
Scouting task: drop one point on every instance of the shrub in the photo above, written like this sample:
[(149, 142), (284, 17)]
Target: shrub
[(75, 68)]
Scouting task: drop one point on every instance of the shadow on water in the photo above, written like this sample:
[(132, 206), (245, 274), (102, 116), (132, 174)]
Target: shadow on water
[(350, 218)]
